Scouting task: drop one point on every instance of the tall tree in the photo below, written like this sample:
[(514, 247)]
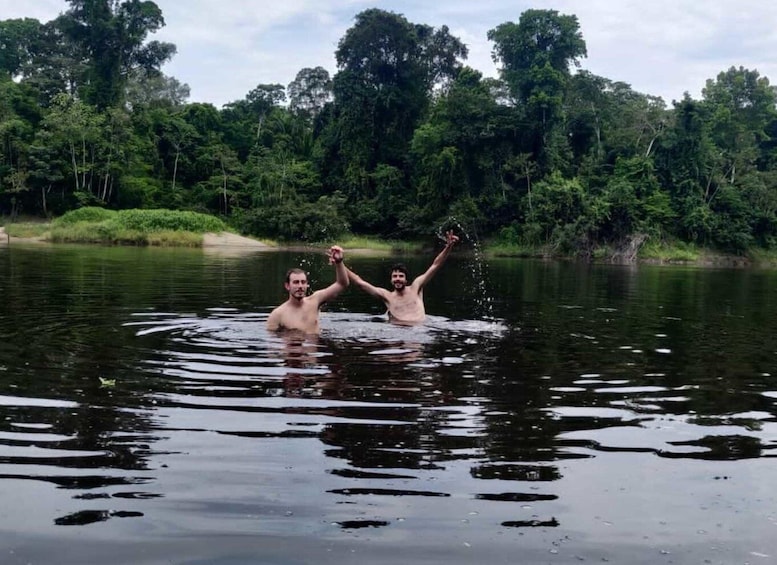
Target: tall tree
[(388, 68), (112, 36), (15, 136), (535, 56), (244, 120), (310, 91), (155, 89), (18, 39), (462, 150), (76, 130), (742, 106), (387, 71)]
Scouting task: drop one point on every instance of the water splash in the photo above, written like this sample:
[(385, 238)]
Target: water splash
[(484, 302)]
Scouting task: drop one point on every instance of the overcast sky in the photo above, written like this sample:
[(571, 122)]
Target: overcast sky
[(663, 47)]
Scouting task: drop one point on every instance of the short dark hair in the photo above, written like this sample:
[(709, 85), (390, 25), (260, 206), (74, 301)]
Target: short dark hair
[(295, 271), (399, 267)]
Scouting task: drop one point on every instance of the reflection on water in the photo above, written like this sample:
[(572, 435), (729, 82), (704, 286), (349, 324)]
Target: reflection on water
[(604, 415)]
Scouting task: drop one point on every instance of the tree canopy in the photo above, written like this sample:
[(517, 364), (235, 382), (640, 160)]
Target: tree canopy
[(402, 138)]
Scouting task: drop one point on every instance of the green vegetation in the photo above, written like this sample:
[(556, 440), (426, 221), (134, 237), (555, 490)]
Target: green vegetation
[(402, 139), (143, 220), (676, 252), (127, 227), (110, 234), (27, 229), (515, 250), (376, 244), (89, 214), (764, 257)]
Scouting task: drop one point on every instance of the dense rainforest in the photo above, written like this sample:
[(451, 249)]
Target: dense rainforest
[(403, 138)]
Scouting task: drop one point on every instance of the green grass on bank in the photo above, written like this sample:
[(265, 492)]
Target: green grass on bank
[(500, 249), (170, 228), (27, 229), (377, 244), (491, 248), (123, 227), (142, 220), (106, 234), (763, 257), (669, 252), (651, 251)]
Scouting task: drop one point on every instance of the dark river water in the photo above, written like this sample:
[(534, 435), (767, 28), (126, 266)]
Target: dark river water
[(547, 412)]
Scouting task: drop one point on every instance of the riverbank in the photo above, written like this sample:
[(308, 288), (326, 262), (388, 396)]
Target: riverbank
[(6, 238), (232, 243), (220, 242), (228, 239), (209, 240), (651, 253), (92, 233)]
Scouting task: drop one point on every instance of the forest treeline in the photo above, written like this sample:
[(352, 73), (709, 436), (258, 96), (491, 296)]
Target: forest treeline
[(403, 138)]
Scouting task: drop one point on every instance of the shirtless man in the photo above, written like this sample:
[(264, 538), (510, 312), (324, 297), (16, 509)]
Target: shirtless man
[(405, 303), (300, 312)]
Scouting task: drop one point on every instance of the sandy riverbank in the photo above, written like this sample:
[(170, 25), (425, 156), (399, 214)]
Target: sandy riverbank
[(226, 239), (5, 239), (209, 240)]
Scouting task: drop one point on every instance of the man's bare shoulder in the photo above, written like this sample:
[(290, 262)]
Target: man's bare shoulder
[(280, 308), (415, 286)]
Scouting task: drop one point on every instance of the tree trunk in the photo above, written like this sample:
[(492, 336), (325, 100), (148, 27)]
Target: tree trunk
[(83, 163), (43, 200), (224, 176), (75, 165), (175, 166)]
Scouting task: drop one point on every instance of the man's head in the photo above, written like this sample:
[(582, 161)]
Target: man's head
[(399, 277), (296, 283)]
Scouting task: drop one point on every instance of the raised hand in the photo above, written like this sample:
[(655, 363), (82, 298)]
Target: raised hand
[(335, 254), (451, 238)]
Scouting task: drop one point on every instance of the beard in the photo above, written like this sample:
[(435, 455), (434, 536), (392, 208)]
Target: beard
[(400, 286)]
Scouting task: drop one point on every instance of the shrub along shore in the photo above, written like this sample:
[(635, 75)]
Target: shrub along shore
[(123, 227), (171, 228)]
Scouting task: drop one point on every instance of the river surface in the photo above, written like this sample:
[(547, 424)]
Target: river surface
[(547, 412)]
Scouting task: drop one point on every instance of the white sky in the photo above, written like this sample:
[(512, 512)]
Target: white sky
[(663, 47)]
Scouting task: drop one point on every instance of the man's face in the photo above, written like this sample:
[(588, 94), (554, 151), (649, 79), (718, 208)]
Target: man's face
[(398, 280), (297, 286)]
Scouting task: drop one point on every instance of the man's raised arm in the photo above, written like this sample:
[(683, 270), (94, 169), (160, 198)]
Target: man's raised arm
[(335, 255), (450, 240), (365, 286)]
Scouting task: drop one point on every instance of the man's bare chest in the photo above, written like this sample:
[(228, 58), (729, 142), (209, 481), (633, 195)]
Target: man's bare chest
[(405, 302)]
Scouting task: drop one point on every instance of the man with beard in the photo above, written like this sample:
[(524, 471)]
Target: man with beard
[(300, 312), (405, 302)]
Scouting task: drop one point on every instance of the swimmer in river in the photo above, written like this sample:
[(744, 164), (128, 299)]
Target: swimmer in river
[(405, 302), (300, 311)]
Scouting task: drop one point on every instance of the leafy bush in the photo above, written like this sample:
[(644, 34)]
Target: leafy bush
[(300, 221), (86, 214), (137, 190), (509, 235), (168, 220), (134, 227), (83, 232)]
